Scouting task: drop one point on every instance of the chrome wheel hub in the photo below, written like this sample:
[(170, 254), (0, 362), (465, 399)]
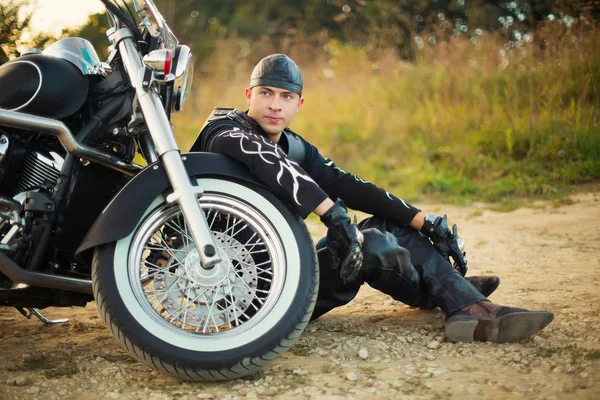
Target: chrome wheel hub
[(206, 277)]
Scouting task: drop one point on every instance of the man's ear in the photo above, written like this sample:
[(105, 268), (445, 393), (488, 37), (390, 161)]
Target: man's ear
[(248, 95), (300, 102)]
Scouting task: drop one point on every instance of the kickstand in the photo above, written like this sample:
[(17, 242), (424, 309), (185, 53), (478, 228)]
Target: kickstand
[(37, 313)]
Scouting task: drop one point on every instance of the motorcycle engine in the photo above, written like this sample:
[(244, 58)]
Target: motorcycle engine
[(23, 170), (39, 171)]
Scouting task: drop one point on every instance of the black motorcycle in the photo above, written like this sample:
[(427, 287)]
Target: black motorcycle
[(197, 269)]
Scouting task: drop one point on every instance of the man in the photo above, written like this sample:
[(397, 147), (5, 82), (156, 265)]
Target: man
[(392, 251)]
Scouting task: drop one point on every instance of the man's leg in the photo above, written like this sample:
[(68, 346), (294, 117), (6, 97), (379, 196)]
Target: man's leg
[(332, 291), (410, 270), (469, 315), (387, 267), (486, 285)]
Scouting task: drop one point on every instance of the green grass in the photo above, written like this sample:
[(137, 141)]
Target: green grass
[(369, 372), (548, 351), (327, 369), (460, 125), (297, 380), (62, 371), (299, 349), (119, 358), (593, 355), (32, 363)]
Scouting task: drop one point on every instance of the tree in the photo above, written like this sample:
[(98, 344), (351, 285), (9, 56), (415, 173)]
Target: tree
[(13, 28), (374, 24)]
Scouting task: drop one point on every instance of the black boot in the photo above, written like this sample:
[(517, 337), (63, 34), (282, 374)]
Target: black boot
[(485, 284), (488, 322)]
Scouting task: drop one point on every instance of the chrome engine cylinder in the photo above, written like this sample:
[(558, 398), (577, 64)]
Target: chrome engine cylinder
[(38, 170)]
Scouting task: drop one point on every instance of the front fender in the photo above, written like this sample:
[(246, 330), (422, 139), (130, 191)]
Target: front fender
[(124, 211)]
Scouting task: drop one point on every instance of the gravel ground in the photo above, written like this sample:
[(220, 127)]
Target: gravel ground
[(547, 255)]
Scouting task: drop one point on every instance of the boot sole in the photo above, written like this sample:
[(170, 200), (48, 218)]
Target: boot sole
[(505, 329)]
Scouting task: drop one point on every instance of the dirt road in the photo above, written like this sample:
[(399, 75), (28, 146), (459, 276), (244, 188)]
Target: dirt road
[(547, 255)]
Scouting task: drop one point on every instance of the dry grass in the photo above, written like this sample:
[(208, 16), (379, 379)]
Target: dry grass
[(468, 120)]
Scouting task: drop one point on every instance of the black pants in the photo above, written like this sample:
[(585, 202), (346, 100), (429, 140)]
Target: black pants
[(399, 262)]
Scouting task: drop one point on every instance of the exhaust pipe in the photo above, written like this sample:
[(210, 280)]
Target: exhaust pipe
[(19, 275)]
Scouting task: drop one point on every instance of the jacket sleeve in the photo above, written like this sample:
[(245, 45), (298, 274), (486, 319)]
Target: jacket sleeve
[(270, 164), (356, 193)]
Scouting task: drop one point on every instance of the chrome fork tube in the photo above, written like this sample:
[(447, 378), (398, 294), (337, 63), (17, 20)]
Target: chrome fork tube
[(168, 151)]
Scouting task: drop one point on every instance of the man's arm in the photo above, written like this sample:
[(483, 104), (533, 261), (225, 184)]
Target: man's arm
[(323, 207), (269, 163), (418, 221), (367, 197), (357, 193)]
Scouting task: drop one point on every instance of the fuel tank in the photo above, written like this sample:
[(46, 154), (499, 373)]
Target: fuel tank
[(43, 85)]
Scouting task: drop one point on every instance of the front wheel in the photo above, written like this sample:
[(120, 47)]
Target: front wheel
[(223, 323)]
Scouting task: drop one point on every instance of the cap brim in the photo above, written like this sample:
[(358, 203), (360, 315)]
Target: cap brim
[(278, 83)]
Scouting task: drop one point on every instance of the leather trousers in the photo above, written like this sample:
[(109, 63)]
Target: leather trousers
[(400, 262)]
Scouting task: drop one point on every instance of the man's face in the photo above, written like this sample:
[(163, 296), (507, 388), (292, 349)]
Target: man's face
[(273, 108)]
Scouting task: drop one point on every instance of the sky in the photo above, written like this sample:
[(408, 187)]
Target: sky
[(52, 16)]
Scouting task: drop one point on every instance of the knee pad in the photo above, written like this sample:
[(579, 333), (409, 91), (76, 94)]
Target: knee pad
[(382, 254)]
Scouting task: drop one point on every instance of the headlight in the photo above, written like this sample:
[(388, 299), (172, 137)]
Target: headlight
[(183, 68)]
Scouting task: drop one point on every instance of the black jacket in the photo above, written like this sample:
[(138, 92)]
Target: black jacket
[(295, 169)]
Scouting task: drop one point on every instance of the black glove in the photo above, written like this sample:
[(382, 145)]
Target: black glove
[(446, 242), (344, 242)]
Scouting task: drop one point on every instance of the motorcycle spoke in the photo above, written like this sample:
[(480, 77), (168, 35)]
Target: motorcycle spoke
[(163, 248), (166, 247), (185, 308), (184, 228), (146, 276), (243, 246), (257, 251), (187, 234), (213, 220), (252, 266), (209, 314), (173, 265), (230, 228), (170, 289), (182, 309), (237, 322), (251, 290), (254, 290), (160, 300), (239, 230), (183, 232), (258, 270), (249, 301), (187, 297), (264, 279)]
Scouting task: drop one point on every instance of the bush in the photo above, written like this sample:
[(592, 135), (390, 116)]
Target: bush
[(466, 121)]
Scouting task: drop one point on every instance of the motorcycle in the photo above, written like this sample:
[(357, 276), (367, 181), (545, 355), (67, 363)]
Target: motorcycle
[(197, 269)]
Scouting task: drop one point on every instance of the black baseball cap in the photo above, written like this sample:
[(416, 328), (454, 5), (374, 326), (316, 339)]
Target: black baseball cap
[(277, 70)]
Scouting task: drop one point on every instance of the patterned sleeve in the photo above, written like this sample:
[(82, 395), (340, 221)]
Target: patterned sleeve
[(270, 164), (356, 193)]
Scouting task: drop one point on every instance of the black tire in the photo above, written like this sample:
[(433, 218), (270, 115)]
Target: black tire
[(209, 355)]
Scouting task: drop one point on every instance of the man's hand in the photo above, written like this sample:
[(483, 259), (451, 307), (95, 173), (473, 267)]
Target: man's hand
[(446, 242), (344, 242)]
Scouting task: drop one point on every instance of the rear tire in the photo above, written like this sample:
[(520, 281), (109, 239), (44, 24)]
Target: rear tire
[(222, 324)]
